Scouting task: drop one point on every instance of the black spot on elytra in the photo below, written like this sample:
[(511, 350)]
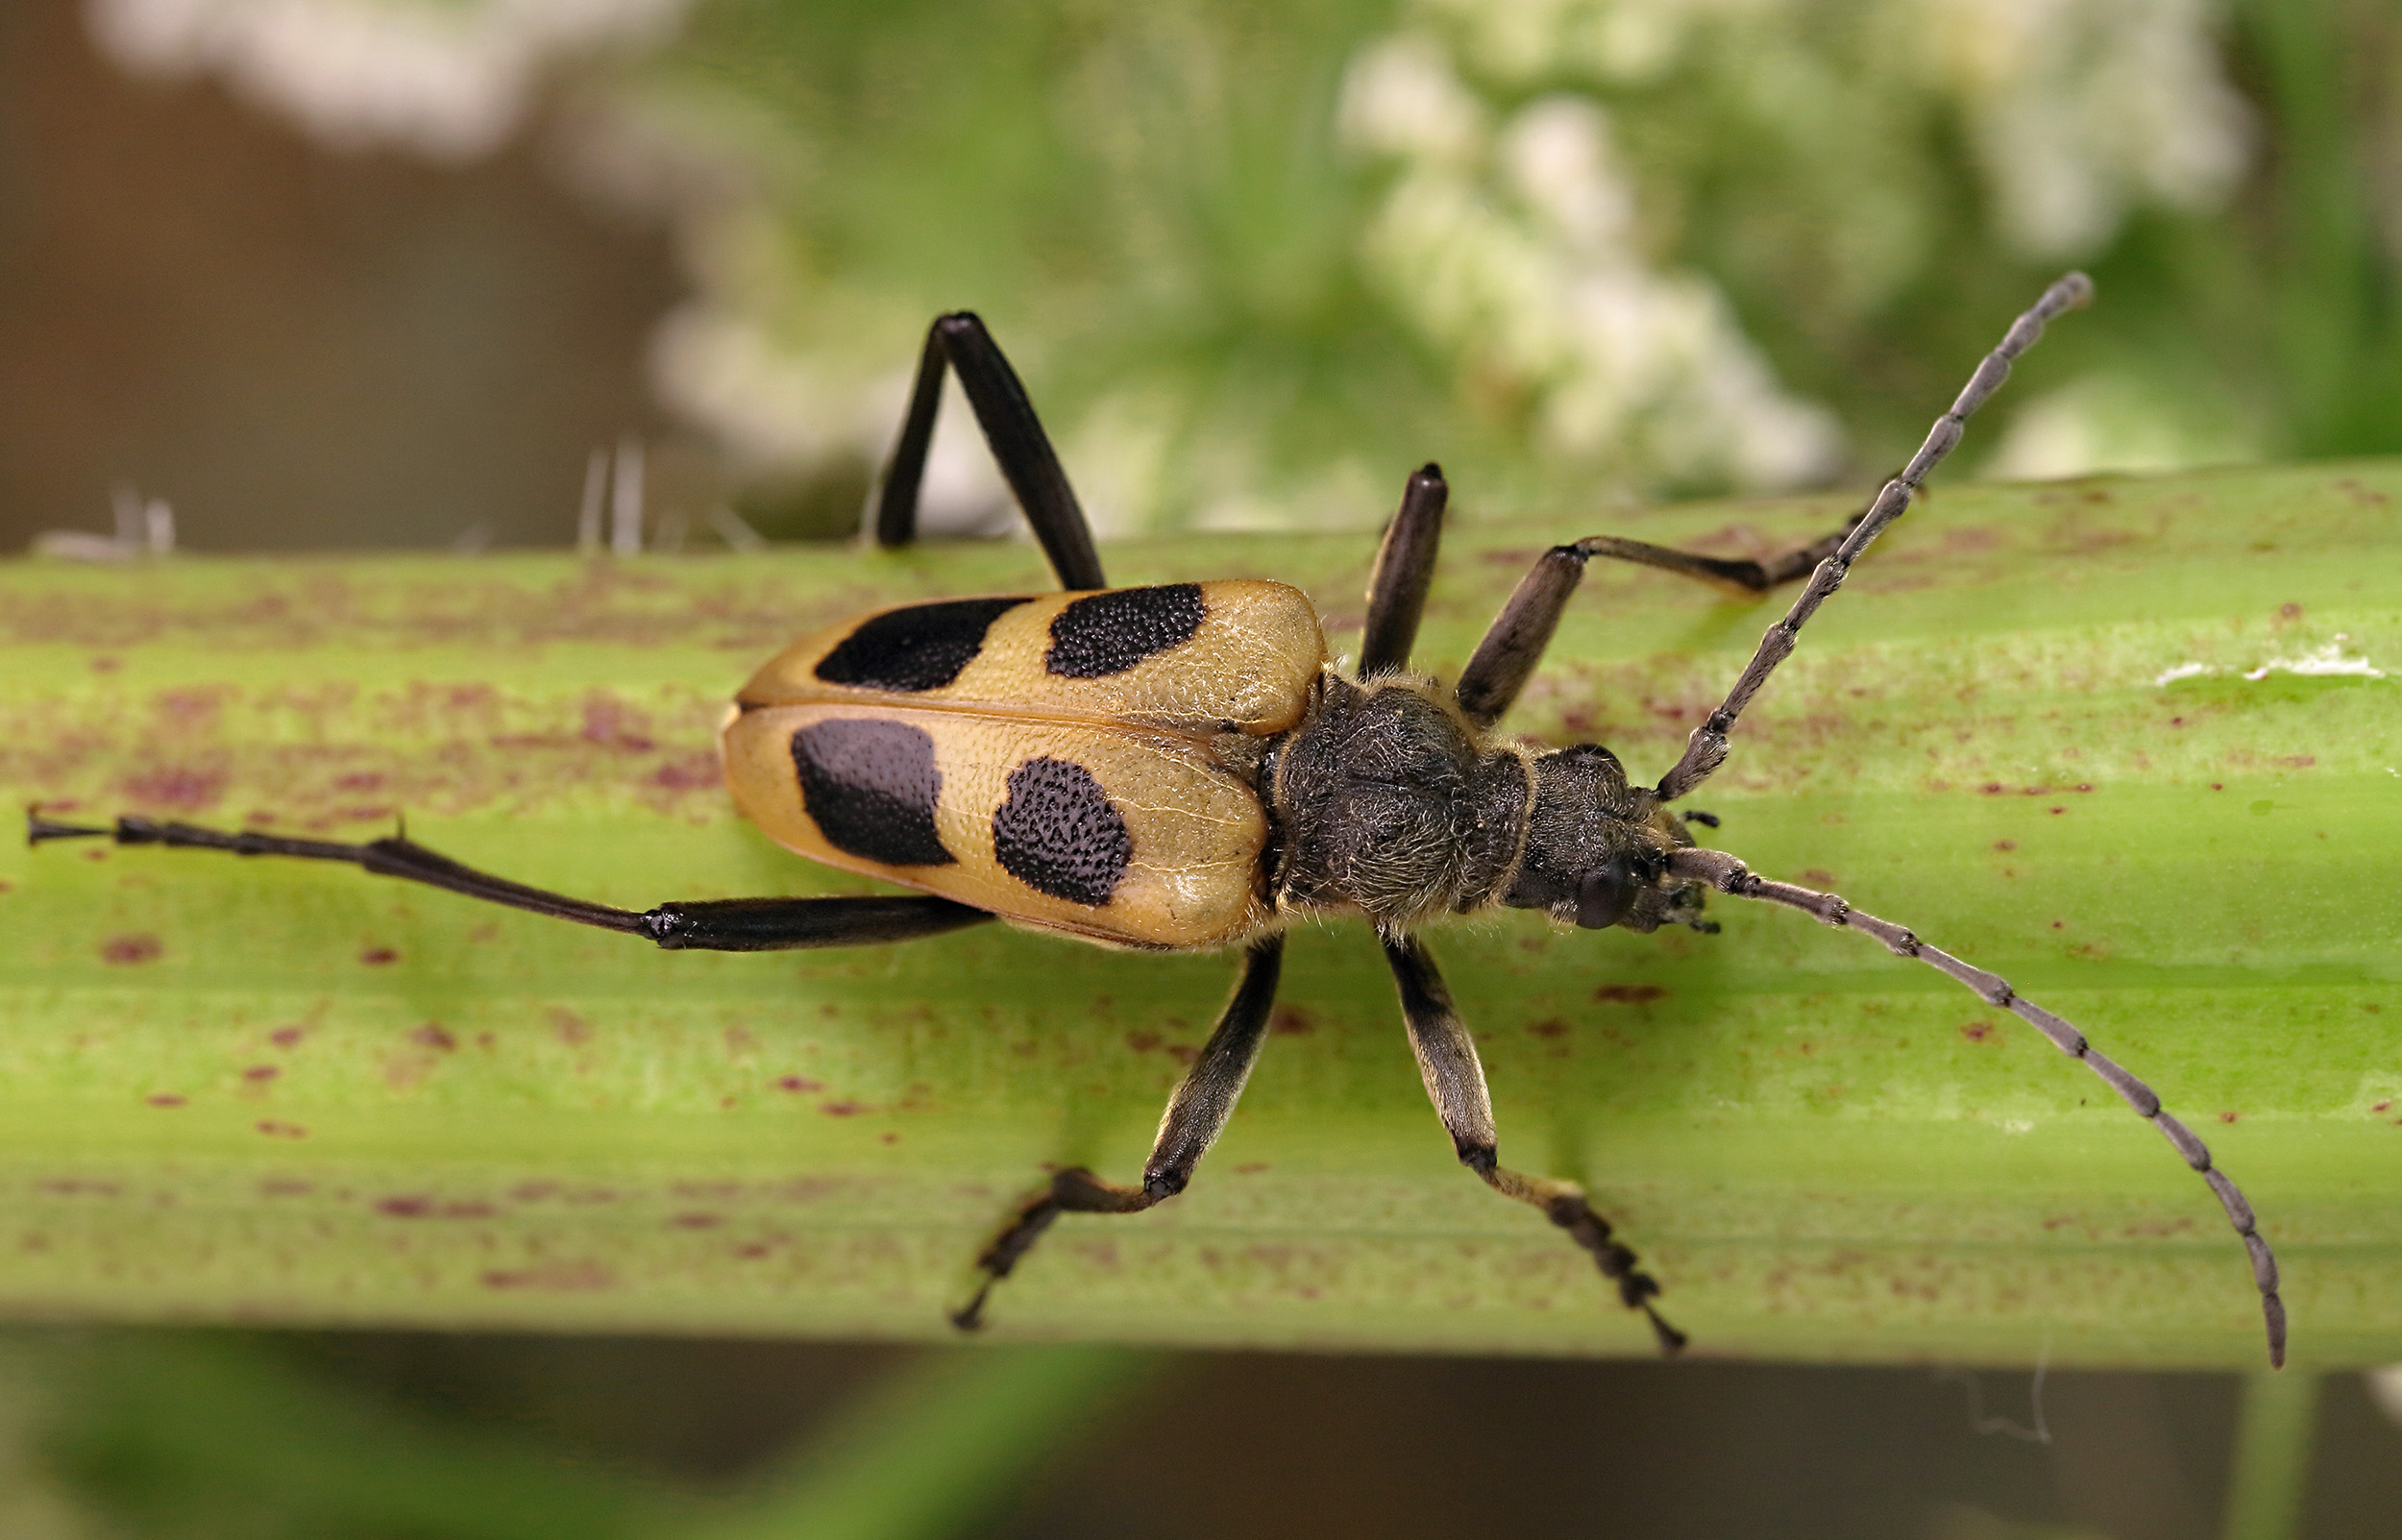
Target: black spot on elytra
[(919, 646), (1109, 633), (1059, 835), (871, 788)]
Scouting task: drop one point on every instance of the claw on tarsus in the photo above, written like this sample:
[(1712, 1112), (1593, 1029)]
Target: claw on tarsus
[(970, 1317), (39, 830)]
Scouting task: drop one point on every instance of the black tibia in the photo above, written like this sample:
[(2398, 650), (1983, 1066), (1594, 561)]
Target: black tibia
[(1514, 648), (1455, 1082), (1510, 652), (710, 924), (1706, 749), (1019, 447), (1729, 875), (1404, 565), (786, 924), (1196, 1113)]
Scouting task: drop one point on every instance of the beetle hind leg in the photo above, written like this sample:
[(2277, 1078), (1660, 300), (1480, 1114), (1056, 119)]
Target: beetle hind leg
[(1455, 1082), (1564, 1204), (705, 924), (1197, 1113)]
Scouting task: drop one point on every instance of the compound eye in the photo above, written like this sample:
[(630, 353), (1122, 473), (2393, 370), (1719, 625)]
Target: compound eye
[(1604, 895)]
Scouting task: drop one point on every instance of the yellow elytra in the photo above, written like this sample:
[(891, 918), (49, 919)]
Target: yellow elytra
[(1074, 763)]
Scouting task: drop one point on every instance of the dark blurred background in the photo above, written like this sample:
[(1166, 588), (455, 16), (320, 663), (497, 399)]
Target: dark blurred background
[(296, 346), (402, 274)]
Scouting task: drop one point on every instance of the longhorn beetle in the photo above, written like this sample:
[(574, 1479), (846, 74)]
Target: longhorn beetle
[(1181, 767)]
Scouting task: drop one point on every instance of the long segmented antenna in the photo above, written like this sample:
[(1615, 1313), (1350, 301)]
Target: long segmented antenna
[(1706, 749), (1729, 875)]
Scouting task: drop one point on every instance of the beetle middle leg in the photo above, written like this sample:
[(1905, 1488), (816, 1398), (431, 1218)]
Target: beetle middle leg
[(1019, 446), (1455, 1080), (1196, 1113), (1404, 568)]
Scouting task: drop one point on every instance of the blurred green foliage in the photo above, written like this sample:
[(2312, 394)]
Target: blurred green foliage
[(1257, 260), (228, 1437)]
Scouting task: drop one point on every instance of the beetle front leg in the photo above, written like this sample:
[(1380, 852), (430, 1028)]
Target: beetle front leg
[(1513, 645), (1196, 1113), (1455, 1082), (1507, 657)]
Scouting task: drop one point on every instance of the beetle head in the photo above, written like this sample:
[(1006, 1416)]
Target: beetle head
[(1596, 847)]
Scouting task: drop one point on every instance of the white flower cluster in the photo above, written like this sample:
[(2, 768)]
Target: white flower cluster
[(1541, 158), (1513, 236), (448, 79), (1512, 244), (2080, 111)]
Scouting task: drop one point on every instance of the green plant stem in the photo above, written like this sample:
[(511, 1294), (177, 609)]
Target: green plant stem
[(285, 1093)]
